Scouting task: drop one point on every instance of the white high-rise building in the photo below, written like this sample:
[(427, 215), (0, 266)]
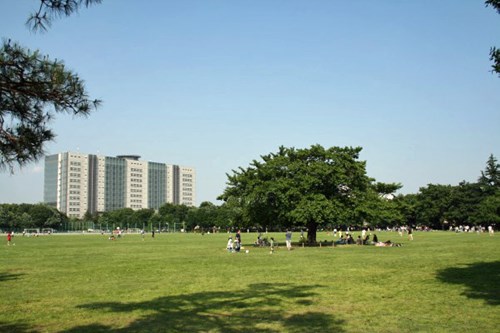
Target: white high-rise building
[(78, 183)]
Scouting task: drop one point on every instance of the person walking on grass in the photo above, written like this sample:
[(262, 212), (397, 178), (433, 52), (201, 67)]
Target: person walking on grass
[(271, 243), (410, 233), (288, 237), (9, 238)]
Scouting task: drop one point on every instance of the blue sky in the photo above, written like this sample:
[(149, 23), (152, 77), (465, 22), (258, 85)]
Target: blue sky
[(216, 84)]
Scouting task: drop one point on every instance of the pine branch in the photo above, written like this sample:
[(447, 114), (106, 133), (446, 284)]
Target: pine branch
[(41, 20), (32, 88)]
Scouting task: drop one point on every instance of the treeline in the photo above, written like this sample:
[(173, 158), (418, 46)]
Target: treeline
[(434, 206), (169, 217), (15, 217), (442, 206)]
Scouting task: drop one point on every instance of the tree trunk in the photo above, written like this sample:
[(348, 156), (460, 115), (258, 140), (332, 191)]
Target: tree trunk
[(311, 233)]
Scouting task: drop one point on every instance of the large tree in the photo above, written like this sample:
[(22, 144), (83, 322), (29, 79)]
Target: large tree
[(33, 88), (300, 188)]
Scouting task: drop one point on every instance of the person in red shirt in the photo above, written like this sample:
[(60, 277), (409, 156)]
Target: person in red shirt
[(9, 238)]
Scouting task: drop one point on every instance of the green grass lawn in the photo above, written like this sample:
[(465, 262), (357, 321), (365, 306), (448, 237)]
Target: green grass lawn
[(440, 282)]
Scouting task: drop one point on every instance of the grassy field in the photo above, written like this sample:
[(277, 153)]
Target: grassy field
[(440, 282)]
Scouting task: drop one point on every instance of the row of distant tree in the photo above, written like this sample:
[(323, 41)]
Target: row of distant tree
[(325, 187), (18, 217), (269, 203)]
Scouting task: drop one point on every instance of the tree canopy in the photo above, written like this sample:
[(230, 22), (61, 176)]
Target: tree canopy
[(25, 216), (463, 204), (33, 88), (300, 188)]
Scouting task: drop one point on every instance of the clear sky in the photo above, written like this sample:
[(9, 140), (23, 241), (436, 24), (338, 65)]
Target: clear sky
[(216, 84)]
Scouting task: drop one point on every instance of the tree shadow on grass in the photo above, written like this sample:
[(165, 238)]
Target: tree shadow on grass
[(18, 328), (4, 276), (481, 279), (257, 308)]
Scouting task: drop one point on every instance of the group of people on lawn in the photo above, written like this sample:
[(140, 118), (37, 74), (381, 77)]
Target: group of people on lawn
[(344, 239), (235, 245), (364, 239)]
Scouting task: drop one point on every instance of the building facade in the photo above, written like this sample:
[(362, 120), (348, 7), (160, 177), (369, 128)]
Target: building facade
[(78, 183)]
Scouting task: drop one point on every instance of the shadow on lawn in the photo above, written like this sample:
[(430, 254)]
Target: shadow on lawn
[(9, 276), (18, 328), (246, 310), (482, 280)]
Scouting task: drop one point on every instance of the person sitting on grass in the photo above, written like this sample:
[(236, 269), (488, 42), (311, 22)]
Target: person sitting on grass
[(366, 241), (237, 245), (341, 241), (259, 241), (388, 244), (349, 239)]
